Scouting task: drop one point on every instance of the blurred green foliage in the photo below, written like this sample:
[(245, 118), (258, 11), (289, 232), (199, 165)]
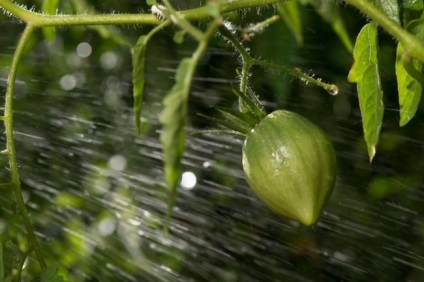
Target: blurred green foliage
[(95, 189)]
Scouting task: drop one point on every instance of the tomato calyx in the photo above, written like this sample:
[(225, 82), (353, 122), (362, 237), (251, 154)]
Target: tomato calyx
[(238, 122)]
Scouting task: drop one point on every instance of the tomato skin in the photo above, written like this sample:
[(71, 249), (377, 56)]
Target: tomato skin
[(290, 164)]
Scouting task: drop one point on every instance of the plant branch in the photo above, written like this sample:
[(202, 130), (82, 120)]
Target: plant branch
[(410, 43), (10, 144), (296, 72), (198, 14), (249, 61)]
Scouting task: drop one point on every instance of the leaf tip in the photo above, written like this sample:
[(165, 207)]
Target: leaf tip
[(371, 152)]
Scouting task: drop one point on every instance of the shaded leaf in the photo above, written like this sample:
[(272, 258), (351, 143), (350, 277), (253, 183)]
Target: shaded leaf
[(290, 13), (330, 12), (409, 77), (409, 89), (49, 7), (173, 118), (50, 274), (138, 60), (364, 73), (390, 8)]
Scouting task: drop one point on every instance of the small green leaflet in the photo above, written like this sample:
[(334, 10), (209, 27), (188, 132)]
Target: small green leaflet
[(49, 7), (364, 73), (173, 118), (151, 2), (409, 77), (50, 274), (138, 60), (390, 8), (290, 13)]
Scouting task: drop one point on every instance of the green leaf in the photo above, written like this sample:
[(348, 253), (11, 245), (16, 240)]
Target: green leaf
[(290, 13), (409, 89), (138, 60), (390, 8), (330, 12), (173, 118), (50, 274), (409, 77), (365, 74), (413, 4), (151, 2), (49, 7)]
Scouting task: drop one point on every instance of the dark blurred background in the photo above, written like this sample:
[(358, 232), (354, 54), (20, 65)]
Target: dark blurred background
[(95, 189)]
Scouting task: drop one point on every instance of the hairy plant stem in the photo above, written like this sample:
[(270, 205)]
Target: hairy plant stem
[(198, 14), (10, 144), (410, 43)]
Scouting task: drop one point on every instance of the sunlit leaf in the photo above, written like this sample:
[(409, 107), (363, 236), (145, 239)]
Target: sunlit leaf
[(390, 8), (365, 74), (50, 274), (330, 12), (290, 13), (409, 90), (409, 77), (49, 7), (173, 118), (138, 60), (151, 2)]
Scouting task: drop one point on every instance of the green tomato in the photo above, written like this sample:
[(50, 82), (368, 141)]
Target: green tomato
[(290, 164)]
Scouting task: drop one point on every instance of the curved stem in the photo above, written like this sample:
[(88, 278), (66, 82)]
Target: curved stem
[(199, 14), (296, 72), (410, 43), (10, 144)]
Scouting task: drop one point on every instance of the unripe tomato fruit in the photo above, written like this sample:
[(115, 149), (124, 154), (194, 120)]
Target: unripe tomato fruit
[(290, 164)]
